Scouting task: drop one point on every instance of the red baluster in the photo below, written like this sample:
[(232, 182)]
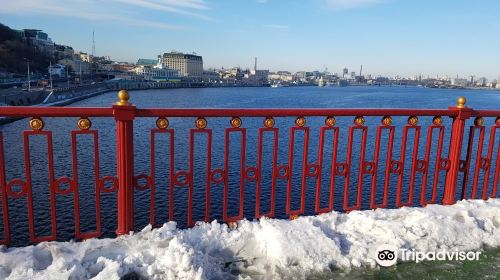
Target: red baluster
[(124, 114), (457, 135)]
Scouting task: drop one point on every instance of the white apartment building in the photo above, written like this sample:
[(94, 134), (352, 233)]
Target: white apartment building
[(156, 74)]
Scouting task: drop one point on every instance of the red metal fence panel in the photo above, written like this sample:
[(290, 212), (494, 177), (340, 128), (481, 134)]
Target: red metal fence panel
[(372, 160)]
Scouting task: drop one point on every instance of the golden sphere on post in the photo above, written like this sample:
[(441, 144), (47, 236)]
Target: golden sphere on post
[(201, 123), (84, 123), (300, 121), (269, 122), (36, 124), (235, 122), (387, 120), (479, 121), (162, 123), (123, 98), (359, 120), (437, 121), (461, 102), (232, 225), (330, 121), (413, 120)]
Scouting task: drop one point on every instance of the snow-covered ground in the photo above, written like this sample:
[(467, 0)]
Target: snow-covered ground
[(265, 249)]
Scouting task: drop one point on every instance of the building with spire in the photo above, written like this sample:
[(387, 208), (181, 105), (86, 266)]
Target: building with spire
[(258, 75)]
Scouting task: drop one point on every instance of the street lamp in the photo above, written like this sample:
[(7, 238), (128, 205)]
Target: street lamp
[(29, 80)]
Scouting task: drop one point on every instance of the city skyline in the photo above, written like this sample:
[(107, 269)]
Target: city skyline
[(389, 37)]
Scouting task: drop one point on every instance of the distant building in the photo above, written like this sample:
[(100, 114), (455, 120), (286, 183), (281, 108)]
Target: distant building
[(123, 67), (459, 82), (64, 51), (481, 82), (57, 70), (75, 65), (300, 75), (211, 76), (84, 56), (189, 65), (345, 72), (146, 62), (156, 74), (232, 75), (259, 75), (105, 66), (283, 76), (38, 38)]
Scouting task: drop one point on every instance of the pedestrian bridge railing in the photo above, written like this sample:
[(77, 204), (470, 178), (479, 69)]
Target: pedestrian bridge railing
[(469, 155)]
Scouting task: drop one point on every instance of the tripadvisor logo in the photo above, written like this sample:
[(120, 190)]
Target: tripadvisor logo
[(387, 255)]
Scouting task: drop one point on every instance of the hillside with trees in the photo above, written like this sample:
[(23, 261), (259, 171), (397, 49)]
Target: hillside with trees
[(14, 53)]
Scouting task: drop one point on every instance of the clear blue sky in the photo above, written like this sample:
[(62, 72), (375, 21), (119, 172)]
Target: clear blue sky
[(408, 37)]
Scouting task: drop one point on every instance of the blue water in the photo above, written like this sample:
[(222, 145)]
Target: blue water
[(293, 97)]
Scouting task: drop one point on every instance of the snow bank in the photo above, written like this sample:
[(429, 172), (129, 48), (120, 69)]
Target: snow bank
[(267, 249)]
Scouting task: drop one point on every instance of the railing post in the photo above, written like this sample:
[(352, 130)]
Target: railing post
[(457, 135), (124, 114)]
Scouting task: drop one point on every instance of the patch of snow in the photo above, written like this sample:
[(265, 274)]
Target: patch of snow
[(265, 249)]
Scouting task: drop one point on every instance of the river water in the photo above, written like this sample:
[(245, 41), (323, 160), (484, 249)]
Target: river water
[(286, 97)]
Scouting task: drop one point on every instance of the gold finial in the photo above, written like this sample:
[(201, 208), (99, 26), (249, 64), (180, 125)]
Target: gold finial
[(269, 122), (123, 98), (437, 121), (201, 123), (235, 122), (461, 102), (387, 120), (300, 121), (36, 124), (479, 121), (330, 121), (162, 123), (413, 120), (359, 120), (84, 123), (232, 225)]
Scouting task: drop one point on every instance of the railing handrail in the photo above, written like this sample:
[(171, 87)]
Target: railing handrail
[(486, 113), (35, 111), (287, 112)]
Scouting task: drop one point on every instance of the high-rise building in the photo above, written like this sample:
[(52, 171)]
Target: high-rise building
[(188, 65)]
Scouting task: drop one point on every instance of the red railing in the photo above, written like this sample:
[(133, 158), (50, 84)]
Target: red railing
[(126, 181)]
